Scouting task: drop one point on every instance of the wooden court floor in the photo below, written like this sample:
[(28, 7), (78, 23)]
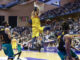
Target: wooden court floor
[(37, 55)]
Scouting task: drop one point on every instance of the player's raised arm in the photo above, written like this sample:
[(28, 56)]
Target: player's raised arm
[(35, 12)]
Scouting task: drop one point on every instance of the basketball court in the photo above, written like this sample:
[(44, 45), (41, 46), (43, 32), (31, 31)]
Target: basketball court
[(30, 55)]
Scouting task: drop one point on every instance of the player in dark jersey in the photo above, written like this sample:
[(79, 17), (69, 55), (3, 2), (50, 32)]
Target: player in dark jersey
[(64, 48), (61, 48), (68, 39), (5, 37)]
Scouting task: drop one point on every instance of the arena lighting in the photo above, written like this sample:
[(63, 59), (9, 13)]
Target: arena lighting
[(9, 5)]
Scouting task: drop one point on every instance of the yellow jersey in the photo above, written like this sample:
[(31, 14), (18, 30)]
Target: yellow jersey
[(36, 27)]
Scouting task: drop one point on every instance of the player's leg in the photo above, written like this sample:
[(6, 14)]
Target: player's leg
[(19, 54), (39, 48), (33, 40), (10, 52), (62, 55), (19, 51), (7, 48), (35, 34), (74, 55), (4, 47)]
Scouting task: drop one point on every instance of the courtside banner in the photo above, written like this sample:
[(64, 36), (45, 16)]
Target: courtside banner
[(50, 49), (51, 2)]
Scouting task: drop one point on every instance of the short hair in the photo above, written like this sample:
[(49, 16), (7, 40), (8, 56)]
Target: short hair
[(65, 25)]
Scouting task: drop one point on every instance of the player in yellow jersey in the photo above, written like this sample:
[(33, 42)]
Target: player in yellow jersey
[(14, 43), (36, 25)]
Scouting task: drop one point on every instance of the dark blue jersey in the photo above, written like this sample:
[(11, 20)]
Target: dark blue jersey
[(4, 37), (61, 46)]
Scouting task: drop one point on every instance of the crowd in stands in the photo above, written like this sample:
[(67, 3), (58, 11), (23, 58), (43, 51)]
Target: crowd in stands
[(62, 10)]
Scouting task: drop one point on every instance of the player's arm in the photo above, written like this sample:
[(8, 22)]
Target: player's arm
[(7, 31), (75, 48), (35, 12), (68, 46), (32, 14), (75, 35)]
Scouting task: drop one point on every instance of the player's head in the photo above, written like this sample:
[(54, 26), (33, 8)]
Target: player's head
[(4, 23), (36, 11), (65, 26)]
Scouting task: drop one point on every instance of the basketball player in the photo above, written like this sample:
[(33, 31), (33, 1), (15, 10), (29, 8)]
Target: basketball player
[(19, 48), (68, 39), (5, 37), (64, 48), (36, 25), (14, 41)]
